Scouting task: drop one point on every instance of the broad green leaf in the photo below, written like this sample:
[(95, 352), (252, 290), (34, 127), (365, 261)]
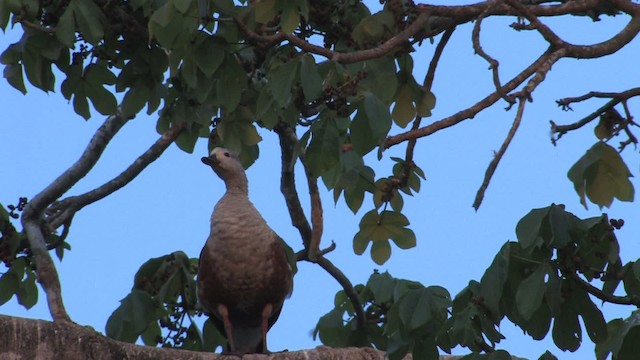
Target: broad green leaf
[(622, 341), (135, 99), (380, 251), (27, 293), (80, 104), (265, 10), (323, 152), (187, 139), (493, 280), (90, 20), (595, 325), (382, 286), (404, 111), (135, 313), (310, 78), (66, 27), (290, 17), (152, 336), (381, 78), (209, 55), (425, 104), (370, 125), (531, 292), (373, 28), (601, 175), (378, 229), (211, 336), (529, 228), (281, 81), (567, 333), (13, 74), (9, 284), (232, 82)]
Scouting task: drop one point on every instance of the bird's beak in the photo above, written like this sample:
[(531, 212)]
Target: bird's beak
[(207, 160)]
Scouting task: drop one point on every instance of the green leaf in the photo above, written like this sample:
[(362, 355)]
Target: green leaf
[(211, 336), (27, 293), (265, 11), (531, 292), (310, 78), (13, 74), (404, 111), (323, 152), (232, 82), (493, 280), (290, 18), (209, 55), (596, 326), (382, 286), (9, 284), (135, 99), (425, 104), (187, 139), (80, 104), (601, 175), (529, 228), (66, 28), (281, 81), (370, 125), (152, 336), (378, 229), (134, 315), (90, 20), (567, 334)]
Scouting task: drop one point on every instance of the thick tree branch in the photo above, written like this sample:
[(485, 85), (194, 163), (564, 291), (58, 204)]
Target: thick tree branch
[(33, 214), (498, 156), (62, 212), (37, 339)]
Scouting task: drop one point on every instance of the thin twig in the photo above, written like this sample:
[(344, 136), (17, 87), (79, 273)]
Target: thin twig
[(63, 211), (32, 216), (498, 156), (469, 112), (493, 63), (614, 299)]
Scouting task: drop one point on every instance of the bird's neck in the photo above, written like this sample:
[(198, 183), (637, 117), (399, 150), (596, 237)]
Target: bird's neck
[(238, 185)]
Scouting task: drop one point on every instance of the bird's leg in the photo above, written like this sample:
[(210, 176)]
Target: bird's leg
[(228, 328), (266, 314)]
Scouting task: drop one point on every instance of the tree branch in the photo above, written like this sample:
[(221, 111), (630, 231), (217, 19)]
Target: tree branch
[(62, 212), (288, 189), (471, 111), (498, 156), (38, 339), (32, 216), (616, 98), (614, 299)]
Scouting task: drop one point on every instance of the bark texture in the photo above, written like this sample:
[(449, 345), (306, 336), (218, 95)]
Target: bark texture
[(28, 339)]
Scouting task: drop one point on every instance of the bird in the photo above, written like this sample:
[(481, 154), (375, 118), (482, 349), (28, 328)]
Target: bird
[(244, 275)]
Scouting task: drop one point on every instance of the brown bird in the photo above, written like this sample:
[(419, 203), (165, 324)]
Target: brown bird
[(244, 275)]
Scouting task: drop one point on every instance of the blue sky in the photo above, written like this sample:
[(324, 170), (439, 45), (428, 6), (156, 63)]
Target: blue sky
[(167, 207)]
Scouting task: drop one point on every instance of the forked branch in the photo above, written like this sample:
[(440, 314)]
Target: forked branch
[(33, 214)]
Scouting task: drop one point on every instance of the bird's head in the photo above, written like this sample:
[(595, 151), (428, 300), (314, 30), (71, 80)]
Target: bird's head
[(224, 162)]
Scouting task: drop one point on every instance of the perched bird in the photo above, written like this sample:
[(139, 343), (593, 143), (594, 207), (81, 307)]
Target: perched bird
[(244, 275)]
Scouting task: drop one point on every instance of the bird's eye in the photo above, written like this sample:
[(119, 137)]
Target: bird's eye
[(226, 154)]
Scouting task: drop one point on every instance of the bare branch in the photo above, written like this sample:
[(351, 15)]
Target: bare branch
[(32, 216), (288, 142), (616, 98), (62, 212), (498, 156), (345, 58), (493, 63), (471, 111)]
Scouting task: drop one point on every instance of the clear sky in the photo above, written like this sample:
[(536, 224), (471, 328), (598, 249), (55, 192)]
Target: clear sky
[(167, 207)]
